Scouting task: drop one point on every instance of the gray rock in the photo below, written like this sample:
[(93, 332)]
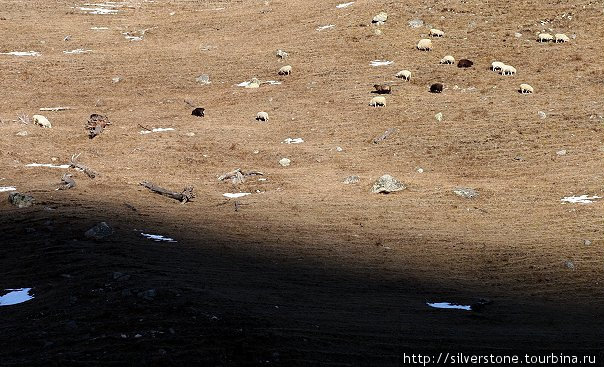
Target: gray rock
[(22, 133), (541, 114), (149, 294), (351, 180), (99, 232), (569, 264), (517, 35), (20, 200), (561, 152), (203, 79), (387, 184), (416, 23), (439, 116), (587, 242), (466, 192), (285, 162)]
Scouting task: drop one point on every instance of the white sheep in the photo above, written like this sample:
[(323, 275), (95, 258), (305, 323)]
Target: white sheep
[(448, 60), (377, 101), (262, 116), (285, 70), (403, 74), (497, 66), (424, 44), (560, 37), (436, 33), (526, 89), (42, 121), (508, 70), (545, 37)]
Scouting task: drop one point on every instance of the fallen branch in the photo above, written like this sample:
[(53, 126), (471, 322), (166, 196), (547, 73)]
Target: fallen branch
[(185, 196), (144, 127), (74, 164), (383, 137)]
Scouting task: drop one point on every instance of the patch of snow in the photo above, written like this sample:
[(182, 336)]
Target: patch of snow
[(321, 28), (99, 10), (7, 188), (583, 199), (21, 53), (157, 130), (47, 165), (344, 5), (236, 195), (15, 296), (448, 305), (157, 237), (293, 141), (99, 28), (380, 63), (77, 51)]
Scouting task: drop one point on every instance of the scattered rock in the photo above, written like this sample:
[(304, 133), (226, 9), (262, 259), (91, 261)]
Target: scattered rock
[(380, 18), (96, 124), (339, 149), (199, 112), (282, 54), (149, 294), (351, 180), (517, 35), (466, 192), (285, 162), (587, 242), (203, 79), (387, 184), (439, 116), (20, 200), (569, 264), (99, 232), (420, 170), (116, 79), (416, 23), (541, 114), (377, 32), (67, 182), (22, 133), (561, 152)]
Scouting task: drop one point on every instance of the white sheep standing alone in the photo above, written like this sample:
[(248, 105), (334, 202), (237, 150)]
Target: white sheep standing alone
[(424, 44), (403, 74), (285, 70), (262, 116), (545, 37), (508, 70), (377, 101), (526, 89), (560, 37), (42, 121), (436, 33), (448, 60), (497, 66)]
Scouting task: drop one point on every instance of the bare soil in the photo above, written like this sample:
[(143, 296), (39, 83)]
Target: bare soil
[(306, 270)]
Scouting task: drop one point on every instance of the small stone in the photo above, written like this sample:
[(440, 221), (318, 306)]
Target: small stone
[(282, 54), (190, 134), (339, 149), (99, 232), (380, 18), (22, 133), (541, 114), (569, 264), (148, 294), (517, 35), (466, 192), (561, 152), (416, 23), (387, 184), (587, 242), (203, 79), (116, 79), (20, 200), (377, 32), (439, 116), (138, 336), (285, 162), (420, 170), (351, 180)]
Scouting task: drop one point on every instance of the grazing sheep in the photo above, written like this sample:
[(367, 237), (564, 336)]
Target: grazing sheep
[(497, 66), (508, 70), (465, 63), (526, 89), (285, 70), (380, 18), (424, 44), (198, 111), (377, 101), (545, 37), (382, 88), (262, 116), (436, 33), (403, 74), (436, 88), (448, 60), (42, 121), (560, 37)]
